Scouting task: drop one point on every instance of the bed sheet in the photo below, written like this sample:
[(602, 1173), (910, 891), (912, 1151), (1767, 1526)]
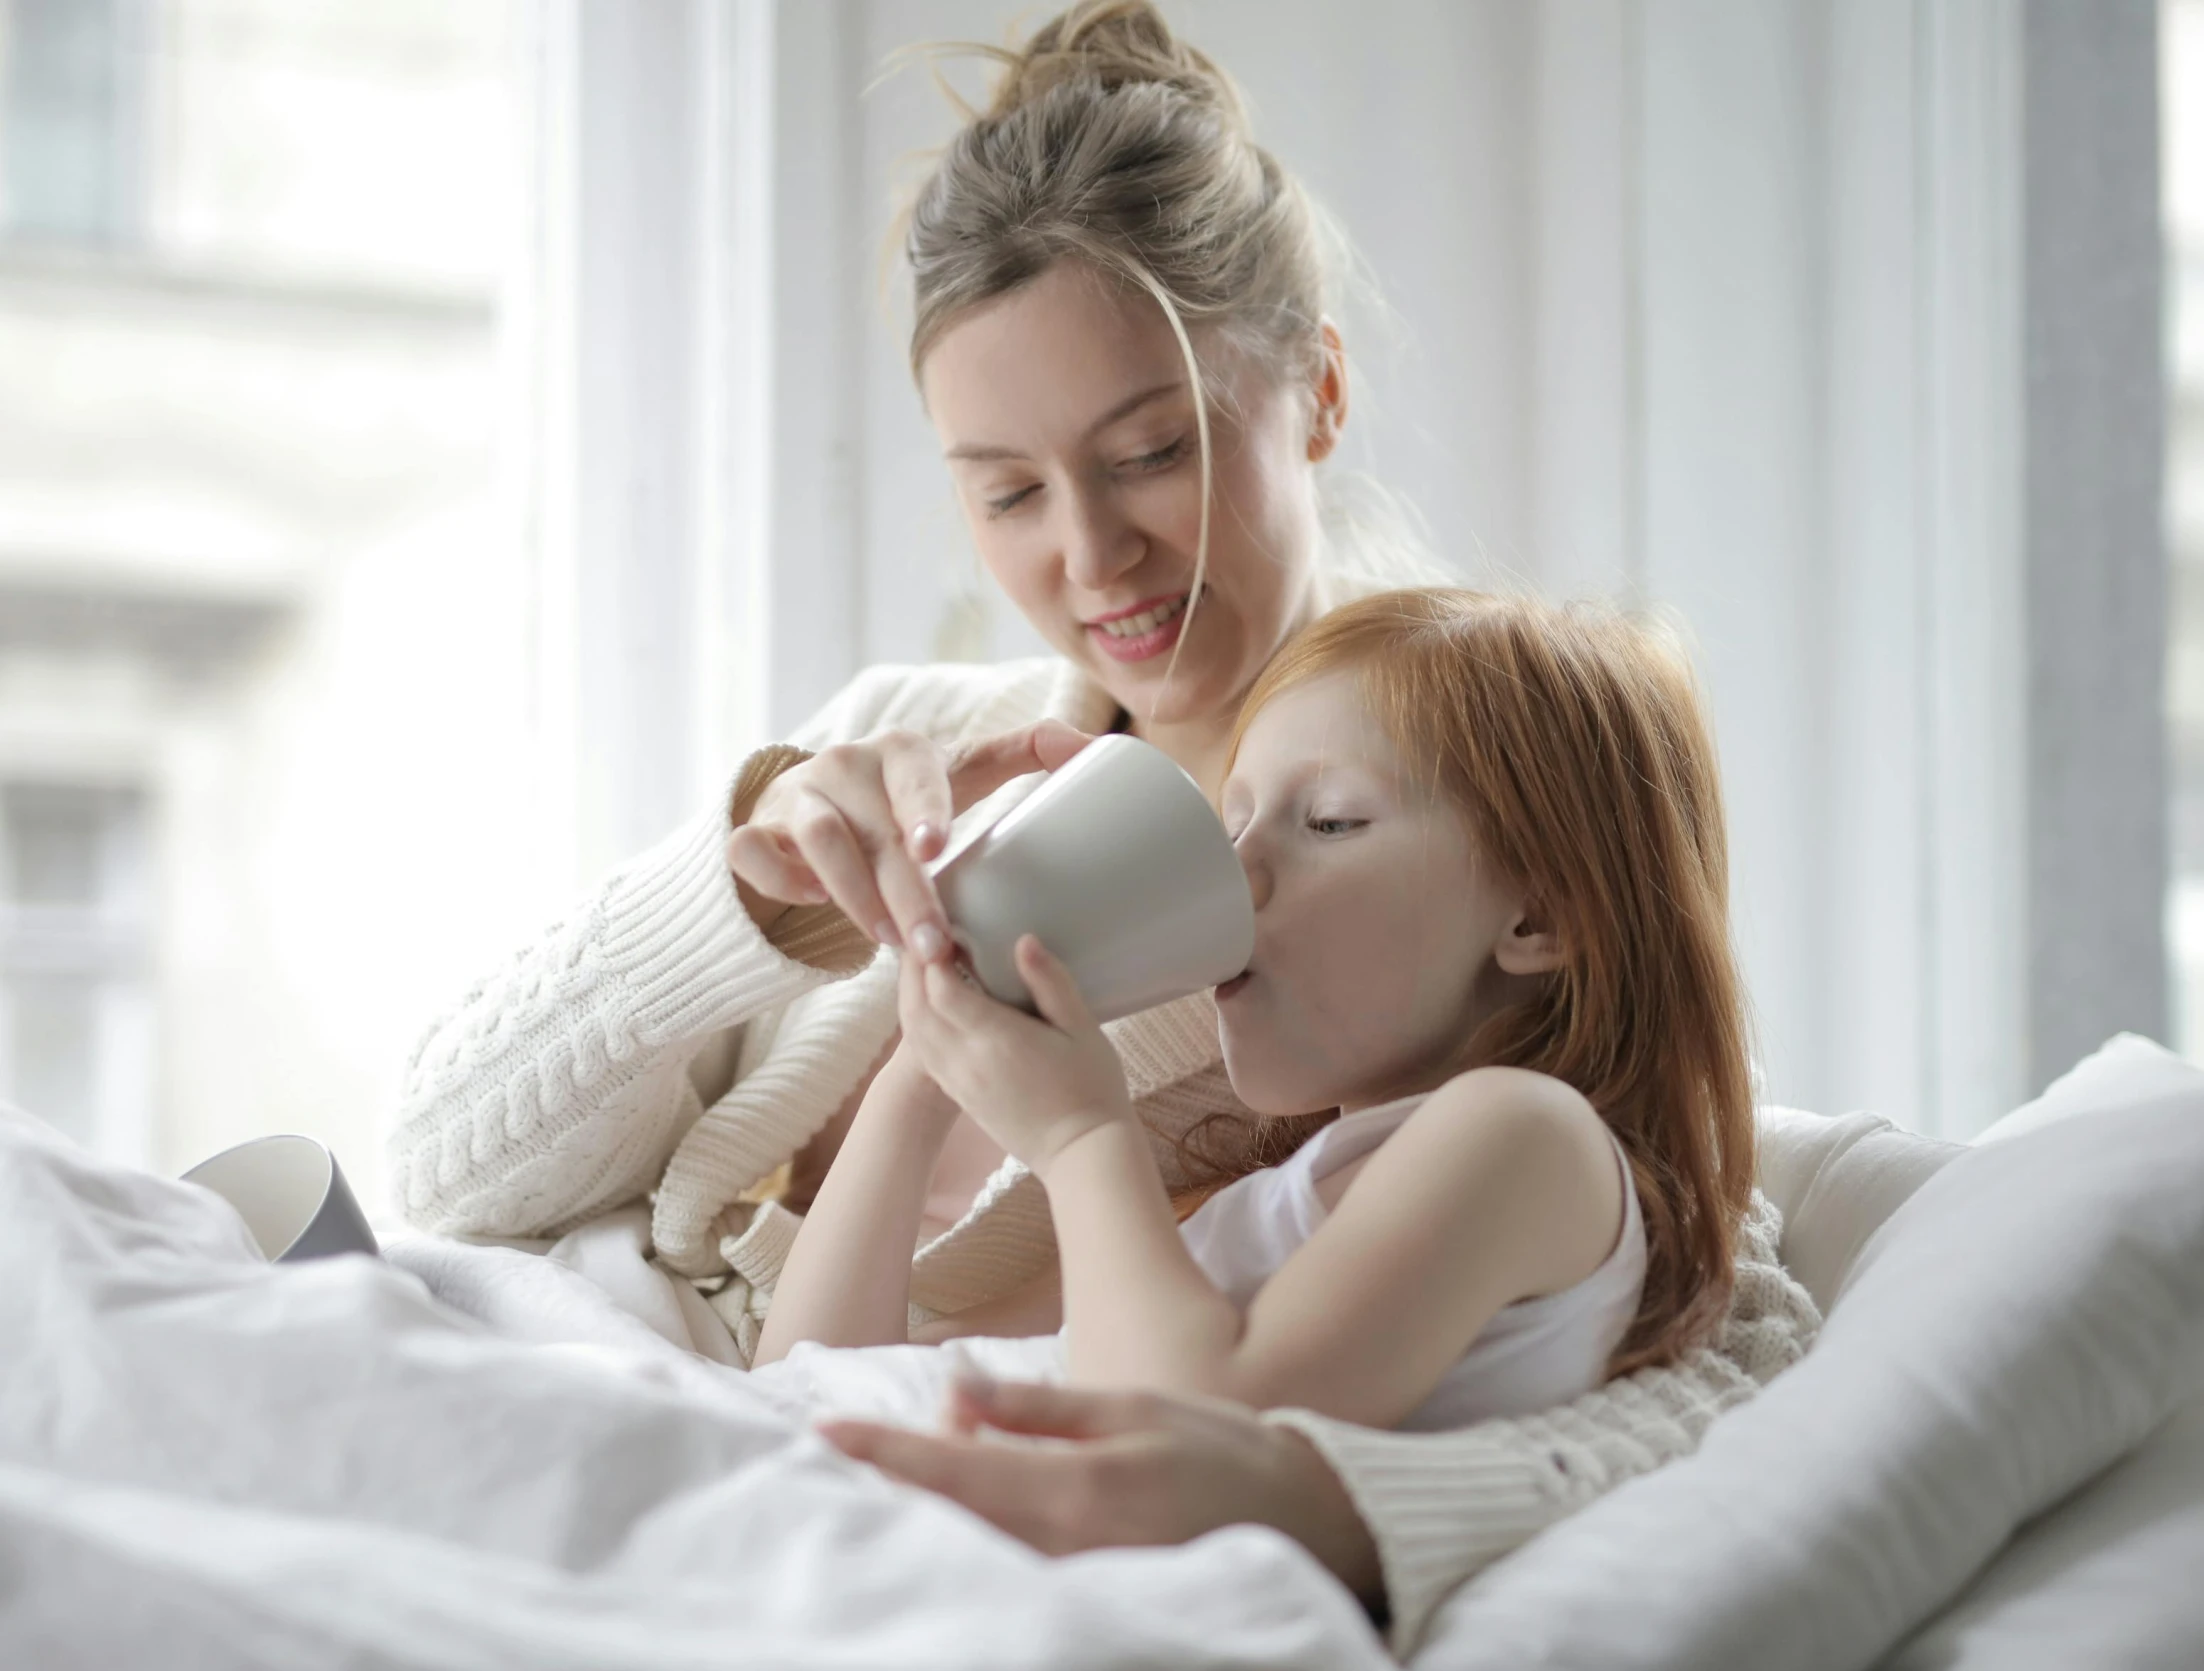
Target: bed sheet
[(205, 1460)]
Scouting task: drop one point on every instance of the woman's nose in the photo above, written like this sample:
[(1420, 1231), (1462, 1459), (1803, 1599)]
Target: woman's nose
[(1099, 544)]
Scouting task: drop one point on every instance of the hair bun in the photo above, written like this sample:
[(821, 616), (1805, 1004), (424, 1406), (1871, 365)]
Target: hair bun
[(1118, 43)]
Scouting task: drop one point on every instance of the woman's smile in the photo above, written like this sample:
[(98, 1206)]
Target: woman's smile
[(1145, 629)]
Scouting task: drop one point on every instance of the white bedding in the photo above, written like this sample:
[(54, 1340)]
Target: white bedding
[(2029, 1315), (208, 1461), (205, 1461)]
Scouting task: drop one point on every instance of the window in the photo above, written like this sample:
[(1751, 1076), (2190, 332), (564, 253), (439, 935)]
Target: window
[(75, 1003), (265, 701), (72, 100)]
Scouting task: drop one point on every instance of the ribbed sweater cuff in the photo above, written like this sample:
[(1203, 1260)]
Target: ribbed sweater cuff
[(1440, 1507), (689, 955)]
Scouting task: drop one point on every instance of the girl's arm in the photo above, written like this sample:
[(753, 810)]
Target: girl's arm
[(1035, 1308), (1502, 1185), (848, 1277)]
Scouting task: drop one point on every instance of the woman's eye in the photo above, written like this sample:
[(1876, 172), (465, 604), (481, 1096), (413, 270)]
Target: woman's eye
[(1336, 826), (1161, 458), (1009, 501)]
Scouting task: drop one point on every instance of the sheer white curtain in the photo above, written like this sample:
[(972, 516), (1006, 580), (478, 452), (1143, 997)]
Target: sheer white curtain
[(1721, 307)]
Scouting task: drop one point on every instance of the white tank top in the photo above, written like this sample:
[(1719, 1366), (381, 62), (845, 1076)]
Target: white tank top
[(1533, 1354)]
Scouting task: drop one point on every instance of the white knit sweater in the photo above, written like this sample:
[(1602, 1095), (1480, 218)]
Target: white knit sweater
[(654, 1044)]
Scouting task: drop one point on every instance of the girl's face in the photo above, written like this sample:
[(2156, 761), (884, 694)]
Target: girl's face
[(1381, 939), (1068, 422)]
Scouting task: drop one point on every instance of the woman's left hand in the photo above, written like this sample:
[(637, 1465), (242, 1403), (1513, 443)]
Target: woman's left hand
[(1143, 1468), (1034, 1084)]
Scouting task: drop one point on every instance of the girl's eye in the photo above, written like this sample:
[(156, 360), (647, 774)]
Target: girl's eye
[(1161, 458), (1336, 826), (1009, 501)]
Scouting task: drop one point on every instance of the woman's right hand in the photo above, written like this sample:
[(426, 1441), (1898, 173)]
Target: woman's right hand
[(856, 823)]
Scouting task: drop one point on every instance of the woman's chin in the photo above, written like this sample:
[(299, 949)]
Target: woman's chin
[(1157, 692)]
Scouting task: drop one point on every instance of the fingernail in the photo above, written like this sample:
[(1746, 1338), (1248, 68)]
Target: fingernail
[(884, 932), (923, 837), (929, 942)]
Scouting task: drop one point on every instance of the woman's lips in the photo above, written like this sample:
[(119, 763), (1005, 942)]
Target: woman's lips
[(1233, 985), (1142, 646)]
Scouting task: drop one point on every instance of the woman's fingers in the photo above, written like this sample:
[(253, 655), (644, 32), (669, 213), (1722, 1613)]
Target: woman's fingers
[(838, 827), (1020, 1491), (823, 835), (988, 765), (1047, 1411), (856, 824), (916, 780), (767, 862)]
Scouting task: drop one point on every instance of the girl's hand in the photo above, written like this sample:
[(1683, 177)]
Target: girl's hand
[(1035, 1085), (905, 1087), (856, 823)]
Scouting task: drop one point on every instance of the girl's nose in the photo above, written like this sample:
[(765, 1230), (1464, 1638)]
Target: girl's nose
[(1258, 873)]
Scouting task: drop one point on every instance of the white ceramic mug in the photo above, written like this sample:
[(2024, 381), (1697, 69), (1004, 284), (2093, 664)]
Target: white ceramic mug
[(1119, 864), (292, 1196)]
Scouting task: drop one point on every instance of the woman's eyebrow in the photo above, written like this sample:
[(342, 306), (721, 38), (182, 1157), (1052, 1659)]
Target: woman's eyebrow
[(976, 452)]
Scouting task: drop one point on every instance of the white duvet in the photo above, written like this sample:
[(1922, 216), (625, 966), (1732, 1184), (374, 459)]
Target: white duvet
[(208, 1461)]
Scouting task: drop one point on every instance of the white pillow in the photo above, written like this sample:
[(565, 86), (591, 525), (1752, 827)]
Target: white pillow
[(1835, 1179), (2108, 1578), (2028, 1316), (2126, 1068)]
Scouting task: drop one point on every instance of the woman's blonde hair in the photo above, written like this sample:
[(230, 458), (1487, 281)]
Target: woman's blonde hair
[(1574, 742), (1110, 142)]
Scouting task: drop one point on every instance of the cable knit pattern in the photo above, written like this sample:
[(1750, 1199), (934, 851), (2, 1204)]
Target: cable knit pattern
[(1444, 1507), (555, 1090), (561, 1087), (771, 1113)]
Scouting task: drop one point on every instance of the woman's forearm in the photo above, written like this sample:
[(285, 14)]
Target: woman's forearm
[(1141, 1312), (847, 1280), (498, 1129)]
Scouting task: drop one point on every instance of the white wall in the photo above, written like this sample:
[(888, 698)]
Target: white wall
[(1652, 303), (1412, 124), (1714, 306)]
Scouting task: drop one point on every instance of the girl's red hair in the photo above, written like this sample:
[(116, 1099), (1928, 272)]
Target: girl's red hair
[(1575, 742)]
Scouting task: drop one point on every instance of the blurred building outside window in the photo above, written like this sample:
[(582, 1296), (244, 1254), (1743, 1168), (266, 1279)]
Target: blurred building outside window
[(266, 712), (76, 999)]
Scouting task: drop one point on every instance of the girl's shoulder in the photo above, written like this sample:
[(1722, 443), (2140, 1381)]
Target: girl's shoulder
[(1564, 1165), (1522, 1096)]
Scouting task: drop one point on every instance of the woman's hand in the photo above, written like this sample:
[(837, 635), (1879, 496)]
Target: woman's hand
[(1036, 1085), (856, 823), (1148, 1468)]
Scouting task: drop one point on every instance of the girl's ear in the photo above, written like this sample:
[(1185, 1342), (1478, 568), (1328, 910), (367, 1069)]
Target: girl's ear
[(1530, 945), (1330, 415)]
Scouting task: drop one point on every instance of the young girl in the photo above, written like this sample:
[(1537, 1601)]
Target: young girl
[(1485, 841)]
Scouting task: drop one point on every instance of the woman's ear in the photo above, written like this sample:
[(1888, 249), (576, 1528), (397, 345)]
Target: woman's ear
[(1530, 945), (1330, 389)]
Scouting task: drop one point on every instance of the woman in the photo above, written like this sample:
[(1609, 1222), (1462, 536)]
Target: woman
[(1120, 337)]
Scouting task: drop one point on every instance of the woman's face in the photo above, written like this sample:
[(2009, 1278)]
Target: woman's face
[(1068, 421), (1381, 940)]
